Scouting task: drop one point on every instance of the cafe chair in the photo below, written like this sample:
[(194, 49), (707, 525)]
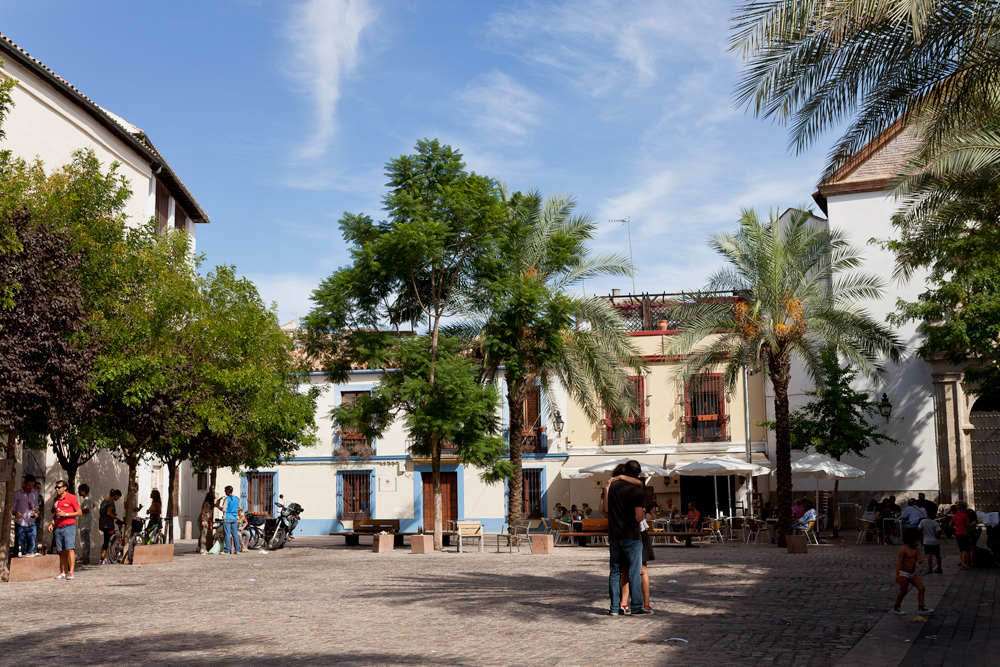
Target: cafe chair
[(867, 532)]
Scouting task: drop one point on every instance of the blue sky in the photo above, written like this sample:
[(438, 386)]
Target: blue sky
[(280, 116)]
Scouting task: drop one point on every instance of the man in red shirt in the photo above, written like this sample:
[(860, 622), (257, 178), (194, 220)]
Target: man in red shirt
[(65, 509)]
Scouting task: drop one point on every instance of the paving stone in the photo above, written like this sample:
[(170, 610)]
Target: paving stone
[(319, 602)]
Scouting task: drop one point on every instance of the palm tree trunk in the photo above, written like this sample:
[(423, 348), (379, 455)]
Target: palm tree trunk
[(7, 516), (515, 403), (780, 377)]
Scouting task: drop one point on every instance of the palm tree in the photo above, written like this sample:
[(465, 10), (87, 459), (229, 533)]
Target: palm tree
[(794, 296), (930, 65), (528, 323)]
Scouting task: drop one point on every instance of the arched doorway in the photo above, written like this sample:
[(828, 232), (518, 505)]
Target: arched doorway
[(985, 441)]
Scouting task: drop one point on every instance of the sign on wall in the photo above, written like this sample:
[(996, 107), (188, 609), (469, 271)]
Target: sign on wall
[(387, 484)]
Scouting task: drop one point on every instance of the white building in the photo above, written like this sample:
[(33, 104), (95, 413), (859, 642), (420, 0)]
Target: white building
[(51, 120)]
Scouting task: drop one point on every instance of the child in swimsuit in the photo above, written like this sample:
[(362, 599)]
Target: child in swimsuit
[(906, 571)]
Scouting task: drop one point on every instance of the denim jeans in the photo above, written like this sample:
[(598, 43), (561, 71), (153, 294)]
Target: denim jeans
[(627, 554), (232, 536), (25, 536)]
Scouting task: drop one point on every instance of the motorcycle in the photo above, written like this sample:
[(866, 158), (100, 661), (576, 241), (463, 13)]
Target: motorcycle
[(278, 530)]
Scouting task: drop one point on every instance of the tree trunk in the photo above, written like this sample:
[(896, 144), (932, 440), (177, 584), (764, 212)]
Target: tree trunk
[(835, 519), (7, 516), (211, 514), (131, 502), (71, 477), (172, 485), (780, 377), (438, 494), (515, 439)]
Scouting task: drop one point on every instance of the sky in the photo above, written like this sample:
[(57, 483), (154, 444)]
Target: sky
[(280, 117)]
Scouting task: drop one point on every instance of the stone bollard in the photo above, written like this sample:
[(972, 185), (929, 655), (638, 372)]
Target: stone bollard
[(796, 544), (543, 544), (382, 543), (187, 530), (421, 544)]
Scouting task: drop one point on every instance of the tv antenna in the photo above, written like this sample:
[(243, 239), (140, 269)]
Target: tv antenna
[(628, 228)]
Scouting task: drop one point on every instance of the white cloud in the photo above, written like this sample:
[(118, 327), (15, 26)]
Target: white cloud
[(325, 36), (290, 291), (499, 105)]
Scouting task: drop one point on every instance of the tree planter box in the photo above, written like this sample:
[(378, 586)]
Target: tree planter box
[(796, 544), (151, 554), (38, 568), (542, 544), (382, 543), (421, 544)]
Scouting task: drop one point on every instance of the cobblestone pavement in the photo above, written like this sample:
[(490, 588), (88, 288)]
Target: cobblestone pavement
[(317, 602)]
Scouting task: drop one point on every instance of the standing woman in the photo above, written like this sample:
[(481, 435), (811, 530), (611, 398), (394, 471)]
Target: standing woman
[(106, 521), (205, 522), (155, 510)]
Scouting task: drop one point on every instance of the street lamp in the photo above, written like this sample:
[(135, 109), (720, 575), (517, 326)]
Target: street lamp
[(558, 423), (884, 407)]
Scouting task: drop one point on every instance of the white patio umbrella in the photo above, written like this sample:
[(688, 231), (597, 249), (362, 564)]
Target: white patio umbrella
[(821, 466), (721, 466), (608, 466), (574, 473)]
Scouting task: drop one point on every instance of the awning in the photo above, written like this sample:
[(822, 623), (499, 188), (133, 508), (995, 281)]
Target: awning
[(691, 457)]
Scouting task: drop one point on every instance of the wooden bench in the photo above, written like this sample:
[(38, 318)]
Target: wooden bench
[(685, 535), (467, 530), (361, 527)]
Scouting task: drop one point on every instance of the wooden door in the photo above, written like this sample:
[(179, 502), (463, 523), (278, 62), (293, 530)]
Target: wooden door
[(985, 440), (449, 499)]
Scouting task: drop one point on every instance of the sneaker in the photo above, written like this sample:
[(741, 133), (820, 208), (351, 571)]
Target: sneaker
[(644, 610), (928, 571), (937, 570), (62, 575), (924, 610), (899, 610), (69, 577), (649, 610)]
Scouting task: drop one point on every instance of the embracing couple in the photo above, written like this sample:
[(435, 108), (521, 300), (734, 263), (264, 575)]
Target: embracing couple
[(624, 504)]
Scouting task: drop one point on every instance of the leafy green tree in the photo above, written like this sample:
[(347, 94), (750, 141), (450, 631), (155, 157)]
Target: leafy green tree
[(8, 235), (959, 313), (413, 268), (145, 378), (252, 414), (796, 290), (836, 422), (44, 360), (529, 325)]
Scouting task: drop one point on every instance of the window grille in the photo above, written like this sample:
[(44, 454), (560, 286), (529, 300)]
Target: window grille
[(532, 491), (260, 493), (705, 409), (356, 495)]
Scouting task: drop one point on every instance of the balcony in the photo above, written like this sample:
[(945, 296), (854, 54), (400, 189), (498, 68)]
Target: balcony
[(707, 430), (633, 432), (352, 445), (657, 312), (533, 441)]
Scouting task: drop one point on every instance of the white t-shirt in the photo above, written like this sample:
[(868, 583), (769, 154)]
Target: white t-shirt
[(86, 520), (930, 529)]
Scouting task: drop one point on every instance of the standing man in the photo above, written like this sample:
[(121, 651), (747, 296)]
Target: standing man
[(231, 506), (625, 505), (65, 510), (25, 514), (86, 522)]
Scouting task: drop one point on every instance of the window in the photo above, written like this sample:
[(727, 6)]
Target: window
[(353, 444), (162, 207), (203, 481), (632, 429), (705, 409), (531, 490), (531, 433), (180, 217), (354, 494), (260, 492)]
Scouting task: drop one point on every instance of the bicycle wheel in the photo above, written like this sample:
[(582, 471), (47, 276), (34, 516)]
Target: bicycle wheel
[(115, 550), (256, 537), (158, 537)]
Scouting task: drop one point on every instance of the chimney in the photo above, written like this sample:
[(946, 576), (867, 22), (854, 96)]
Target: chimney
[(616, 292)]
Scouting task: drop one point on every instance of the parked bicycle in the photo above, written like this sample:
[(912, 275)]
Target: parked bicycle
[(116, 548)]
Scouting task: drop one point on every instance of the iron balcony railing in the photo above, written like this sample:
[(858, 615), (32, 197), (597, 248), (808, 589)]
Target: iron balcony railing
[(653, 312), (633, 432)]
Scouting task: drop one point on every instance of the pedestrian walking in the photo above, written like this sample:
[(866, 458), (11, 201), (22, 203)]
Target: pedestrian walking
[(907, 562), (26, 511), (231, 506), (65, 510)]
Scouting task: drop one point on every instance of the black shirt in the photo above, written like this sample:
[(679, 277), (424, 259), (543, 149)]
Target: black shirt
[(623, 498)]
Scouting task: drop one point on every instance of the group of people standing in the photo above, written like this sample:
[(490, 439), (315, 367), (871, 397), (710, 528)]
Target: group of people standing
[(29, 515)]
